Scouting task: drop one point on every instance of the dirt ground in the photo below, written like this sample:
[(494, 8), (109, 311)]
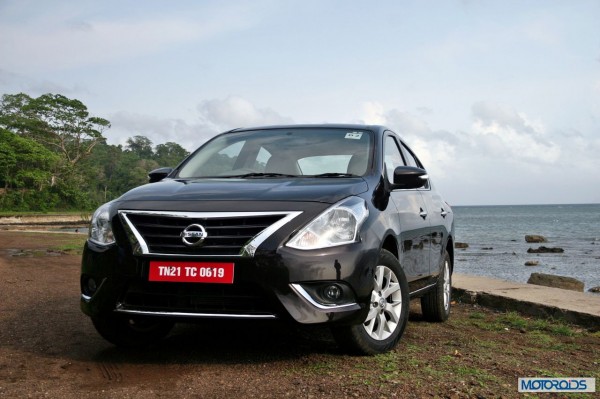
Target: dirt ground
[(48, 348)]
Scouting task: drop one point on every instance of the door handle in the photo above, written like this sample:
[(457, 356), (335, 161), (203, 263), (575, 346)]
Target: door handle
[(422, 213), (444, 213)]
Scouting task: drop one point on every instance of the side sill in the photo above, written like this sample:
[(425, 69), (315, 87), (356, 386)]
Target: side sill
[(421, 291)]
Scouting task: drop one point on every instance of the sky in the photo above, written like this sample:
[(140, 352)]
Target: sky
[(499, 99)]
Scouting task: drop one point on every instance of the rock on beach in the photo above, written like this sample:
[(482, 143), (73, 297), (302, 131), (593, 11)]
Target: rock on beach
[(532, 263), (550, 280), (545, 250), (534, 238)]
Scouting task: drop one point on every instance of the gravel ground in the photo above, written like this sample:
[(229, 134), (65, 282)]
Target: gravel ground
[(48, 348)]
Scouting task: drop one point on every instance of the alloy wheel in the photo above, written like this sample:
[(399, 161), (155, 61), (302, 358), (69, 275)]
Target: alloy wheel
[(386, 304)]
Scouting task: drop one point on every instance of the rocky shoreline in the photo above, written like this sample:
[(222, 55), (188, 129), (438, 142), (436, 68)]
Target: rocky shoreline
[(548, 280)]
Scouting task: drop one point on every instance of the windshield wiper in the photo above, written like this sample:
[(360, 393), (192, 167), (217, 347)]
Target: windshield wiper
[(332, 174), (257, 174)]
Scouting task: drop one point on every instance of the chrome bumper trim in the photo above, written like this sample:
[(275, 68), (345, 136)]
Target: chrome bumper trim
[(301, 292), (197, 315)]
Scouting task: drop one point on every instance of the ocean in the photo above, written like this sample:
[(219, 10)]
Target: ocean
[(497, 247)]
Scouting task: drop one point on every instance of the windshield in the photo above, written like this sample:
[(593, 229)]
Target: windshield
[(329, 152)]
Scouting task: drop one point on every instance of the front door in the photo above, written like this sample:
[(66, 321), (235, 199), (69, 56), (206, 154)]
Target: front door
[(411, 214)]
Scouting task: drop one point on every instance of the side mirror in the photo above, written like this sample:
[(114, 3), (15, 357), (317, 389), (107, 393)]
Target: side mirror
[(158, 174), (409, 177)]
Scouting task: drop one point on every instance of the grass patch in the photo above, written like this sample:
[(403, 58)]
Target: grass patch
[(323, 366), (477, 316), (72, 244), (540, 338), (387, 362), (539, 324), (548, 373), (514, 320), (71, 247), (562, 329)]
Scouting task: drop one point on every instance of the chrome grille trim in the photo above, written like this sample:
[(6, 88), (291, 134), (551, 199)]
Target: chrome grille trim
[(140, 246)]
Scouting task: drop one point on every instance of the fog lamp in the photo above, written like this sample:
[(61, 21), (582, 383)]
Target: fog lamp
[(332, 292), (91, 286)]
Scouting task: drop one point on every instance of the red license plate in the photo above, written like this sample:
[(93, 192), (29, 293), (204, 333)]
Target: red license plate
[(191, 272)]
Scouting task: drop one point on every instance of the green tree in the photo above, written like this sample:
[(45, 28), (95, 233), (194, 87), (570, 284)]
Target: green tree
[(25, 174), (65, 129), (24, 163), (141, 146), (100, 171), (63, 125), (169, 154), (53, 155)]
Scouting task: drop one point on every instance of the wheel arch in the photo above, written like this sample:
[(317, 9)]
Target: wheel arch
[(391, 245), (450, 249)]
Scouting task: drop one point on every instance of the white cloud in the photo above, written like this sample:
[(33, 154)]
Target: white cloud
[(214, 116), (159, 130), (233, 112), (372, 113), (504, 158), (507, 134), (69, 39)]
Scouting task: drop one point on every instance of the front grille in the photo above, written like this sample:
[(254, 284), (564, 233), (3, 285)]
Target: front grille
[(196, 298), (160, 233)]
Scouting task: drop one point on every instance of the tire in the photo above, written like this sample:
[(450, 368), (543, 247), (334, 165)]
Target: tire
[(131, 332), (436, 303), (388, 312)]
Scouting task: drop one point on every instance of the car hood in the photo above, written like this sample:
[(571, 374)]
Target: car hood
[(327, 190)]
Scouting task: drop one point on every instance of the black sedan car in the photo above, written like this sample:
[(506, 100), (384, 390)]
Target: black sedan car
[(336, 224)]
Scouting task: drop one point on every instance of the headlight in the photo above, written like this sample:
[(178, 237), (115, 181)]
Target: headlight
[(338, 225), (100, 229)]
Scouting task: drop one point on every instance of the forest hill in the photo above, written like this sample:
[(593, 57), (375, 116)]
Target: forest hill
[(53, 156)]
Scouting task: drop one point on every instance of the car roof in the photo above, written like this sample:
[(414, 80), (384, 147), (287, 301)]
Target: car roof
[(374, 128)]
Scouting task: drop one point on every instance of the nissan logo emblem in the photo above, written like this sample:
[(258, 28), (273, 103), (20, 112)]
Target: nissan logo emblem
[(193, 235)]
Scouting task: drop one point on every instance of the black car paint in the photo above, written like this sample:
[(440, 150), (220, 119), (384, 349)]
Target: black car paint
[(396, 223)]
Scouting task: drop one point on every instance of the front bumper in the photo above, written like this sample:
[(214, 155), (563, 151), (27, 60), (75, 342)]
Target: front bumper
[(285, 283)]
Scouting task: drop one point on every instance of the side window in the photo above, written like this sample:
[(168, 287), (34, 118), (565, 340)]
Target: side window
[(392, 157), (410, 158)]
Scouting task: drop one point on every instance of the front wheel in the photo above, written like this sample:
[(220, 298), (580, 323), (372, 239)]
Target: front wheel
[(131, 332), (388, 312)]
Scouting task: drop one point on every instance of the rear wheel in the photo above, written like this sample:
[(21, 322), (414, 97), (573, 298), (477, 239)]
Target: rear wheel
[(127, 331), (388, 312), (436, 303)]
